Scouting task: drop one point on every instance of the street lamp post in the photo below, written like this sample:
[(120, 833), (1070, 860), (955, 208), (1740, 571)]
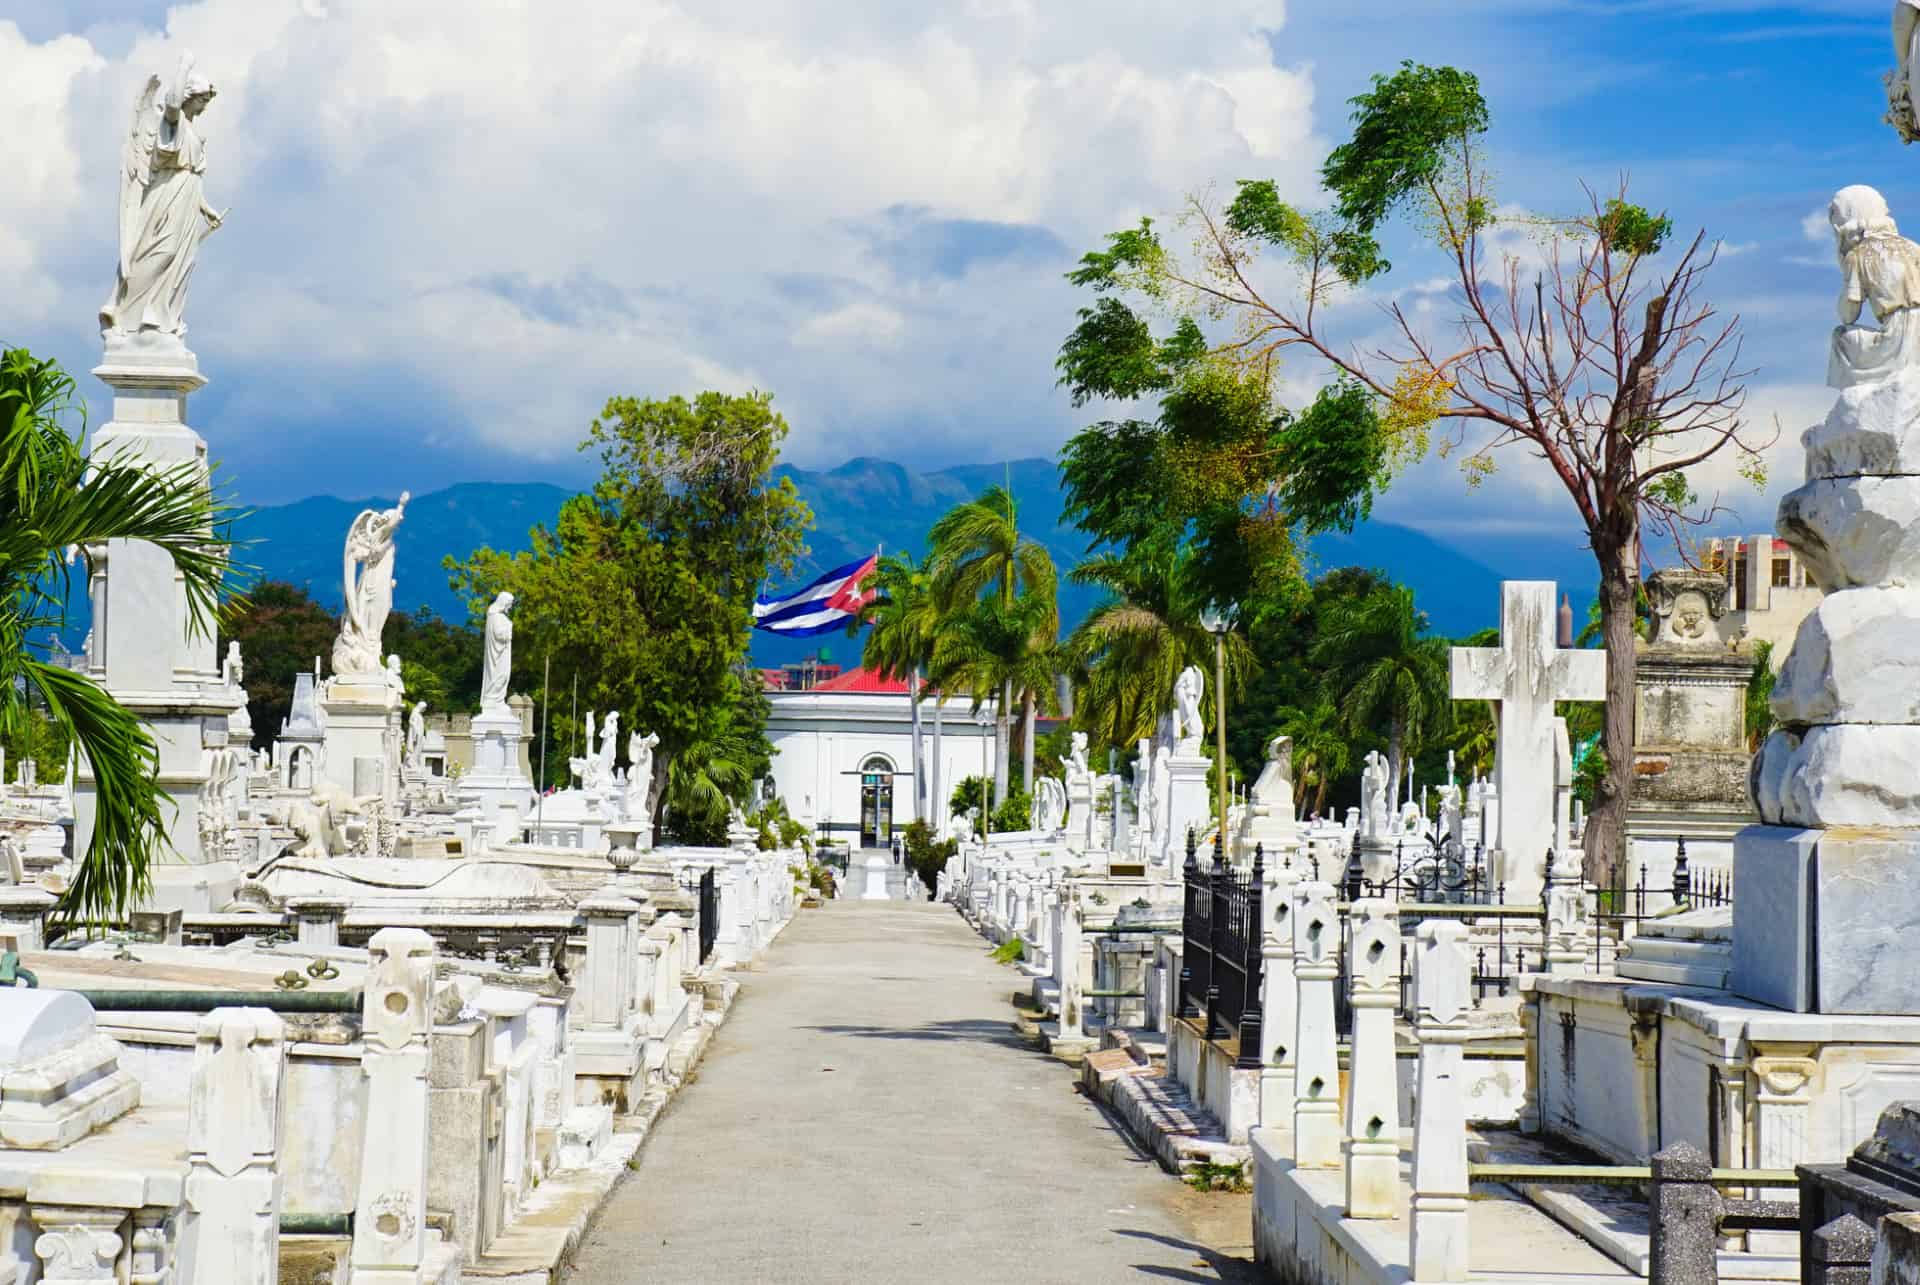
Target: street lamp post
[(1217, 621)]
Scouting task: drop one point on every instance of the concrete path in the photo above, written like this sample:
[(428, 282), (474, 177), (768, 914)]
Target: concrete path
[(866, 1114)]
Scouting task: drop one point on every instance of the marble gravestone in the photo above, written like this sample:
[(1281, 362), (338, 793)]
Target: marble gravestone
[(1824, 921), (1525, 675)]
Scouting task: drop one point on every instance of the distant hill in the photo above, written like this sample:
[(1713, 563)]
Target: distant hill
[(859, 507)]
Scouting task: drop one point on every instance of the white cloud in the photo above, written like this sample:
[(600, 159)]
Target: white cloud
[(1817, 228), (512, 214)]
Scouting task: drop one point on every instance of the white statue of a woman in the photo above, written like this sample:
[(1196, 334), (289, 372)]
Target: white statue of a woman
[(1880, 272), (367, 589), (1187, 690), (1901, 112), (164, 213), (640, 773), (497, 659)]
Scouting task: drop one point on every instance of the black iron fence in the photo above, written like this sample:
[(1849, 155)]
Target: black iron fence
[(1220, 958), (709, 914)]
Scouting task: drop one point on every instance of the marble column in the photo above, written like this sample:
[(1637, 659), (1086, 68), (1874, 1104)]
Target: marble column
[(1373, 1092), (1070, 999), (1279, 994), (231, 1231), (390, 1219), (1442, 979), (317, 920), (1316, 965)]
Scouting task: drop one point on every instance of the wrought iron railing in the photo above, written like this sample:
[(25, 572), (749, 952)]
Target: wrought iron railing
[(709, 914), (1220, 959)]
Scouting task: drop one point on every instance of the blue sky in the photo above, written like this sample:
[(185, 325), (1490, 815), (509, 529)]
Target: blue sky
[(458, 227)]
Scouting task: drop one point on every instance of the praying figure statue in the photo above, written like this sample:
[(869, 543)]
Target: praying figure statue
[(367, 575), (1187, 690), (497, 658), (164, 213), (417, 737), (1880, 271)]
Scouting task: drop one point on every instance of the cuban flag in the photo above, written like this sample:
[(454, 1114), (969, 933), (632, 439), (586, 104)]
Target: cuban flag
[(822, 607)]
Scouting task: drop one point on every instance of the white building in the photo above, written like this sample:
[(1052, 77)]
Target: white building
[(843, 755)]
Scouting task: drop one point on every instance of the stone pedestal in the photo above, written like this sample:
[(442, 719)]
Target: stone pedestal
[(363, 714), (876, 866), (1823, 923), (1189, 806), (142, 651), (1316, 967), (23, 915), (498, 784)]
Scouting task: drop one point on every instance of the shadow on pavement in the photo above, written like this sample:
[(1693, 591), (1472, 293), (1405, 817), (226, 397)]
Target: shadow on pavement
[(974, 1029), (1210, 1264)]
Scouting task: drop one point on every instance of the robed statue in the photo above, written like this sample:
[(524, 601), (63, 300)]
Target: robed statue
[(497, 658), (164, 213), (1880, 276), (367, 590)]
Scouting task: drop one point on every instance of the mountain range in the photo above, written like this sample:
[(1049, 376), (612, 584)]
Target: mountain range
[(861, 506)]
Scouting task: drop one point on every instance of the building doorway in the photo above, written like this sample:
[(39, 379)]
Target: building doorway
[(876, 802)]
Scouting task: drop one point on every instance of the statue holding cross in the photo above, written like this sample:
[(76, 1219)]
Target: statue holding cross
[(1524, 676)]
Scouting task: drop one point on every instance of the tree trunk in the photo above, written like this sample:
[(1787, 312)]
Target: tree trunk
[(1001, 734), (1396, 747), (939, 818), (1605, 841), (919, 748), (1026, 745)]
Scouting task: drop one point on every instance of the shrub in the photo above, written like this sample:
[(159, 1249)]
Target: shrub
[(927, 857)]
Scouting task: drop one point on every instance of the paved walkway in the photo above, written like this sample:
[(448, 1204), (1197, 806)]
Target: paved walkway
[(866, 1114)]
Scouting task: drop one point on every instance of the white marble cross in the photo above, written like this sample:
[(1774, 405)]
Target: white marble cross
[(1525, 675)]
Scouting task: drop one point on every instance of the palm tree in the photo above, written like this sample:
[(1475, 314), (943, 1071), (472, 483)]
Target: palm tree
[(1375, 648), (978, 553), (985, 649), (1128, 652), (905, 620), (1321, 750), (52, 500)]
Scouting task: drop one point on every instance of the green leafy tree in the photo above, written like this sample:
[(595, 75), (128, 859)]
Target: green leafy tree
[(1376, 650), (1759, 701), (52, 499), (642, 591), (1322, 752), (1606, 362), (1127, 653), (902, 624), (979, 556), (987, 648), (281, 631), (441, 661), (967, 796)]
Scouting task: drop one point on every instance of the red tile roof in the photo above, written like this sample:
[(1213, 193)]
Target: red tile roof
[(866, 681)]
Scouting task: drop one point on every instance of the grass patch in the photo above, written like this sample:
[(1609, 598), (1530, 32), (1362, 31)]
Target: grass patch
[(1011, 951), (1205, 1175)]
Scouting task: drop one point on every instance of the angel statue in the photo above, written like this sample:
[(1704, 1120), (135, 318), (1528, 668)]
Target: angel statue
[(640, 773), (1900, 96), (164, 213), (1881, 272), (368, 595)]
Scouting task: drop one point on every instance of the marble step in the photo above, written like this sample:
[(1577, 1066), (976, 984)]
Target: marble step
[(1161, 1115)]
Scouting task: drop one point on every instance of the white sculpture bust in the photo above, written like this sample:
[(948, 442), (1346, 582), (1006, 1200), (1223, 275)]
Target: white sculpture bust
[(1078, 773), (497, 661), (1880, 271)]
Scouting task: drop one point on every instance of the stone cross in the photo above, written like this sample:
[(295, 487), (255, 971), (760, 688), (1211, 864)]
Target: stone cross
[(1524, 676)]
